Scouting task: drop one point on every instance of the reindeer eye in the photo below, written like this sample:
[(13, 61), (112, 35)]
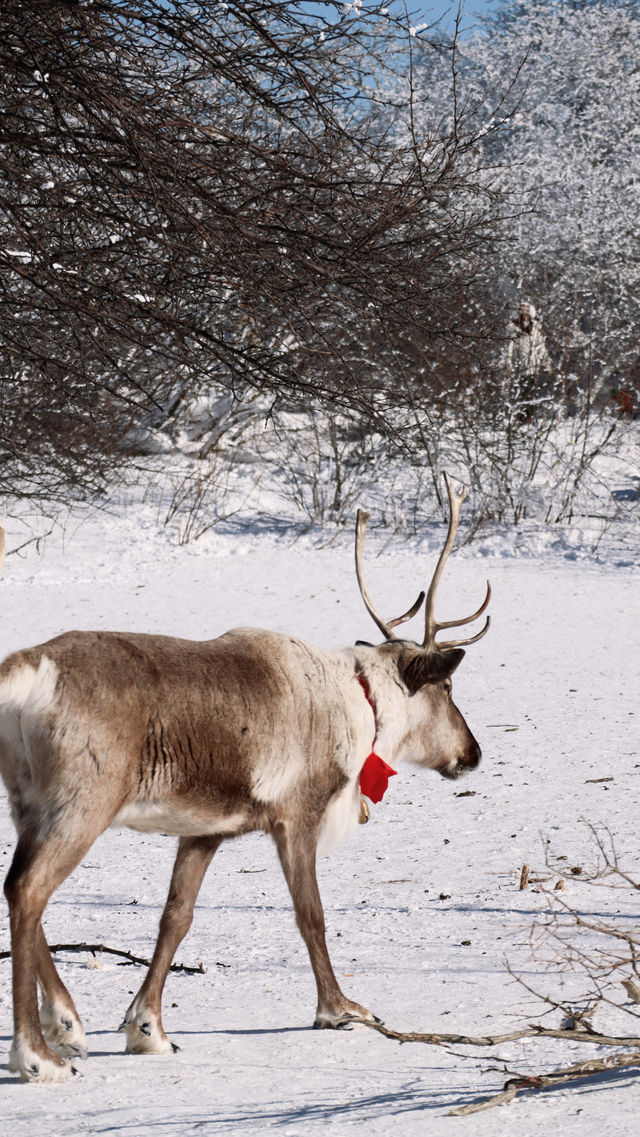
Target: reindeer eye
[(448, 686)]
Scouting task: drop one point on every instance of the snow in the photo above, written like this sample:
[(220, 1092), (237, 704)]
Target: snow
[(422, 904)]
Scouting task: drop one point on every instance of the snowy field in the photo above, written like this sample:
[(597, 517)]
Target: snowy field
[(422, 904)]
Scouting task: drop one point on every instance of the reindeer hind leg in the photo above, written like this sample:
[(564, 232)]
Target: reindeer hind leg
[(40, 865), (142, 1022), (59, 1019)]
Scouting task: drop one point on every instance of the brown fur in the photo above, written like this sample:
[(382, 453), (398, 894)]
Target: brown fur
[(206, 740)]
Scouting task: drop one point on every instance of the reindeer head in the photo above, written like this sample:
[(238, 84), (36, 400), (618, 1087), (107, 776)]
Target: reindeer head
[(436, 735)]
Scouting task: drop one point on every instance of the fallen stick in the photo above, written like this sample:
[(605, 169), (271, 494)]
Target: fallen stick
[(555, 1078), (532, 1031), (98, 949), (487, 1103), (522, 1082)]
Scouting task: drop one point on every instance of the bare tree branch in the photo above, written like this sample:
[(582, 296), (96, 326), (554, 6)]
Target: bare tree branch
[(202, 195)]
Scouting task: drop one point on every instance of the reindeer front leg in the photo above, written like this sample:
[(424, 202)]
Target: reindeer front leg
[(297, 851), (143, 1020)]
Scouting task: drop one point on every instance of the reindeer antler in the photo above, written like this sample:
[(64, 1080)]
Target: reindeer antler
[(432, 626), (385, 626)]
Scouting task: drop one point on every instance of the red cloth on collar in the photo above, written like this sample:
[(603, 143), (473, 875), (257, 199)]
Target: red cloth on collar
[(375, 774), (374, 777)]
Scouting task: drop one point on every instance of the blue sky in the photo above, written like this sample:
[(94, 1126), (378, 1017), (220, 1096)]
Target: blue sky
[(448, 8)]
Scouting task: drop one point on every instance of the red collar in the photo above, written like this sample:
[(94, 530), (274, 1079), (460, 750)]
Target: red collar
[(367, 694), (375, 773)]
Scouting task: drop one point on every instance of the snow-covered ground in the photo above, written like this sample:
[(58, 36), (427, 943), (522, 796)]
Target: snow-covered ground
[(422, 904)]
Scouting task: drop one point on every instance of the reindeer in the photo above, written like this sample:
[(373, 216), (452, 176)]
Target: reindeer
[(205, 740)]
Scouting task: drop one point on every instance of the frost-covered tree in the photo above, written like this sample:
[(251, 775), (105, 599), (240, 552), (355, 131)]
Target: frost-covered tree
[(553, 91), (572, 149)]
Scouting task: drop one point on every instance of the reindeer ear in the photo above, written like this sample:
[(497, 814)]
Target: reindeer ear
[(445, 663), (429, 667)]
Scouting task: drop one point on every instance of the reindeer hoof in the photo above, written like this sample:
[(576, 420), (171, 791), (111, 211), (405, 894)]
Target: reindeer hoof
[(71, 1051), (144, 1033), (347, 1020), (63, 1030), (34, 1067), (352, 1021)]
